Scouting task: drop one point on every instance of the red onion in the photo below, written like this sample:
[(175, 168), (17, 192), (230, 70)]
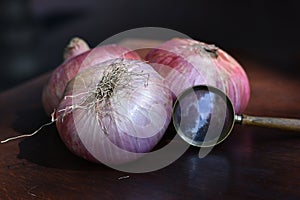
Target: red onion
[(114, 111), (78, 57), (186, 62)]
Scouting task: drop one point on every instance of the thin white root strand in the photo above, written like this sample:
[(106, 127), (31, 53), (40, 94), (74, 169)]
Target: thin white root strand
[(27, 135), (123, 177)]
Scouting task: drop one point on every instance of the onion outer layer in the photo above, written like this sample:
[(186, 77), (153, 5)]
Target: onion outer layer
[(122, 127), (186, 62)]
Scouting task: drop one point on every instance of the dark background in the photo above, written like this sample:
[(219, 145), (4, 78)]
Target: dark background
[(34, 32)]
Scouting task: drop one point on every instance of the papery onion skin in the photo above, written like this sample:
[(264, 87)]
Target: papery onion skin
[(142, 104), (186, 62), (78, 57)]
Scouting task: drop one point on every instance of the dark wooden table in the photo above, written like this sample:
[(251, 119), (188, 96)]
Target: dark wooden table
[(253, 163)]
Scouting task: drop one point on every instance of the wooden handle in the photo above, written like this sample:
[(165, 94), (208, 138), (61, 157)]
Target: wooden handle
[(272, 122)]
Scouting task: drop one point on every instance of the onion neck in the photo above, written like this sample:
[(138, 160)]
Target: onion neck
[(75, 47), (206, 50)]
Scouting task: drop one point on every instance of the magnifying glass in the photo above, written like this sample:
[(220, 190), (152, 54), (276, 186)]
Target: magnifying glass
[(204, 116)]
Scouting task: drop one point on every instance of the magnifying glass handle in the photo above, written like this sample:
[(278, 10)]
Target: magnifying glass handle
[(269, 122)]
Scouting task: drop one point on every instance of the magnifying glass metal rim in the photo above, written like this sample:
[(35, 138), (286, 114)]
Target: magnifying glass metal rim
[(230, 108)]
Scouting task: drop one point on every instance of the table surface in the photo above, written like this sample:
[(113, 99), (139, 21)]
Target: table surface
[(253, 163)]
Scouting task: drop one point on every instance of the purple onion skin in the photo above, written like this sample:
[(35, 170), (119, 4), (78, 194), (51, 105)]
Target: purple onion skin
[(75, 63), (186, 62), (132, 112)]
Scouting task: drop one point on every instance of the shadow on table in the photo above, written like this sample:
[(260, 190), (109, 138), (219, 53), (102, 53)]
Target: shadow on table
[(46, 148)]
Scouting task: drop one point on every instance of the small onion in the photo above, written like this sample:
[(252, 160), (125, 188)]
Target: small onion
[(78, 56), (114, 111), (186, 62)]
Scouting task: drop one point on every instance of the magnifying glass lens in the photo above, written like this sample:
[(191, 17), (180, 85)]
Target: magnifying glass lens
[(203, 116)]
